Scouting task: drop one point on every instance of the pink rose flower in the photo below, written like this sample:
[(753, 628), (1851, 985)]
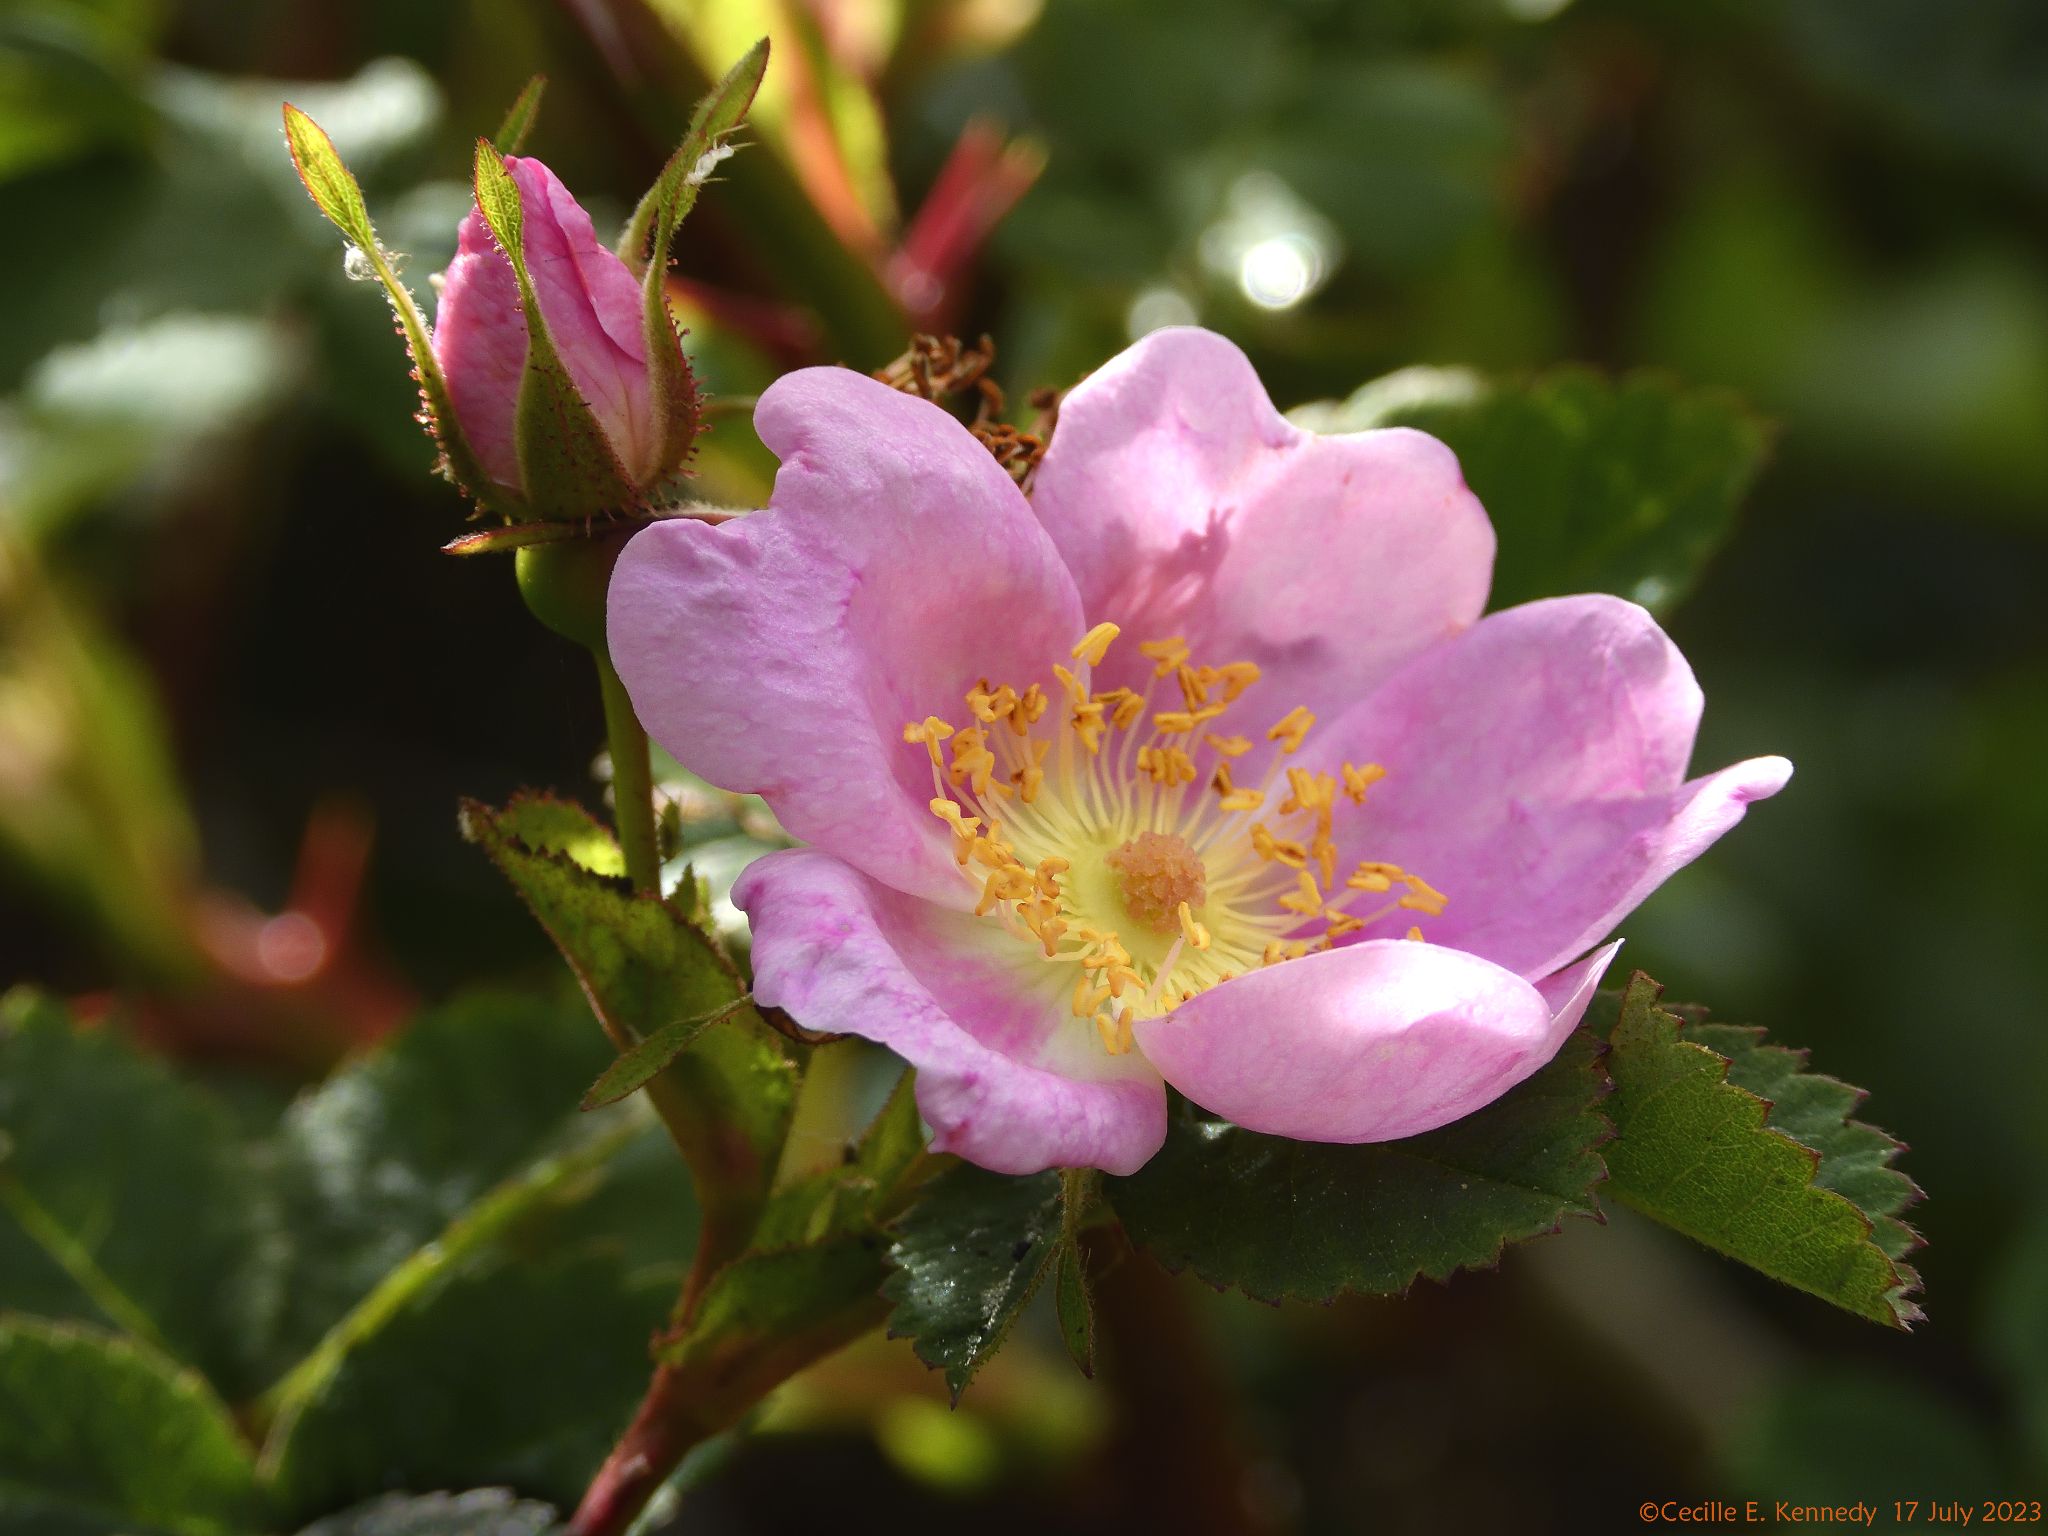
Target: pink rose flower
[(592, 305), (1198, 767)]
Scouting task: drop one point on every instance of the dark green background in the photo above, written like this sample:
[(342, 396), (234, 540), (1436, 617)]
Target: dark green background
[(1837, 207)]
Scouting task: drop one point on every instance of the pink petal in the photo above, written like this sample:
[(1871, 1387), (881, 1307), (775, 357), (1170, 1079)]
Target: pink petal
[(1185, 504), (1006, 1077), (592, 306), (1536, 775), (1371, 1042), (480, 343), (783, 652)]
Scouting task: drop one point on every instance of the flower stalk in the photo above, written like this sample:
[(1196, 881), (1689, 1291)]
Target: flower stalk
[(632, 779)]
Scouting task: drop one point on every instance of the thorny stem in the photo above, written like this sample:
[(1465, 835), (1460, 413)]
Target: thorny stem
[(632, 780), (689, 1403)]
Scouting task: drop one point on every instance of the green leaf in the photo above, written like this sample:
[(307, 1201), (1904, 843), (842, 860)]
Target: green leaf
[(1699, 1153), (518, 1373), (101, 1436), (1311, 1221), (1594, 485), (336, 193), (727, 1098), (566, 464), (518, 123), (1815, 1111), (672, 386), (968, 1256), (127, 1197), (419, 1178), (384, 1157), (485, 1512), (638, 1066), (550, 825)]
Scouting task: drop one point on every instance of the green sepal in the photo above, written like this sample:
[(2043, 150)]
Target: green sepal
[(1703, 1154), (514, 537), (511, 135), (566, 463), (894, 1138), (668, 202), (337, 194), (1073, 1297), (672, 387), (1075, 1305)]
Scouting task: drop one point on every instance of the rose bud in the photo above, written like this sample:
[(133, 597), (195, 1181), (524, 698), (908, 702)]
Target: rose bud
[(593, 310)]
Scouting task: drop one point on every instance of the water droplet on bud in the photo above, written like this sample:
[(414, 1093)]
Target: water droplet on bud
[(356, 263)]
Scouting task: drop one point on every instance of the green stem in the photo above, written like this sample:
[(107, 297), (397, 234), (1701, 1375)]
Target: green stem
[(632, 780)]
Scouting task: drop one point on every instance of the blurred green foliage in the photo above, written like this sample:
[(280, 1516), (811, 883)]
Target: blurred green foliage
[(222, 616)]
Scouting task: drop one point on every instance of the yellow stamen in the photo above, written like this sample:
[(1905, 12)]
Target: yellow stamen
[(1291, 728), (1166, 765), (1358, 780), (1169, 653), (1236, 677), (1175, 722), (931, 732), (1088, 998), (1376, 877), (1307, 899), (1281, 849), (1424, 898), (1230, 746), (1094, 645), (1089, 725), (1031, 776), (1196, 935), (1311, 792), (1124, 705)]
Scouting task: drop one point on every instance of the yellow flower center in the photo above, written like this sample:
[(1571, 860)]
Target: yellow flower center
[(1122, 850)]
